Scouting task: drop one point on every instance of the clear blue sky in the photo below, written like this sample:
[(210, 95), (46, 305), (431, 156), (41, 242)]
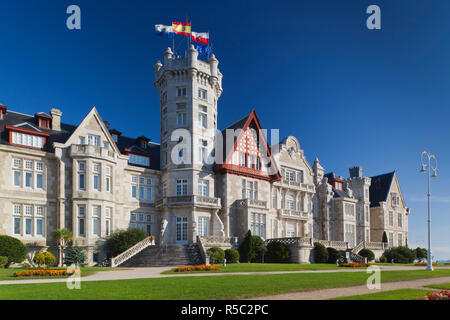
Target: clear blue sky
[(311, 68)]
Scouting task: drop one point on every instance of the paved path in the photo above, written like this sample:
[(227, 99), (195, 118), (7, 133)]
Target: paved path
[(155, 272), (325, 294)]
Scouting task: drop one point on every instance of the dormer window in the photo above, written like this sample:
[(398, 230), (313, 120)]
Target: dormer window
[(139, 160), (338, 185), (26, 137), (44, 123), (43, 120)]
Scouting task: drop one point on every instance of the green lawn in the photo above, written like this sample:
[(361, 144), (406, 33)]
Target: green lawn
[(263, 267), (401, 294), (204, 287), (442, 286), (7, 274)]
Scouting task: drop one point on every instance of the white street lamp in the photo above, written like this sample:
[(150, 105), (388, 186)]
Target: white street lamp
[(427, 164)]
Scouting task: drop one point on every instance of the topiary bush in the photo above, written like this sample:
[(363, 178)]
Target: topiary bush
[(75, 255), (3, 261), (333, 255), (400, 255), (39, 258), (216, 255), (259, 248), (278, 252), (49, 259), (246, 250), (320, 253), (367, 253), (123, 240), (232, 255), (12, 248), (383, 259)]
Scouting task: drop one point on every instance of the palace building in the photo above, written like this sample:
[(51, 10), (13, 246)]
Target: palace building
[(198, 187)]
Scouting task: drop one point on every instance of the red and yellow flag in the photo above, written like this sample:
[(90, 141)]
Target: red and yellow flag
[(182, 28)]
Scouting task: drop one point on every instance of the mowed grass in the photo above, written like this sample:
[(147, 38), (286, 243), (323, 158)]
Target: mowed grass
[(262, 267), (7, 274), (401, 294), (442, 286), (202, 287)]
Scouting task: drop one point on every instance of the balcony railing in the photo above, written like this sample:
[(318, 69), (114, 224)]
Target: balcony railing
[(284, 213), (188, 200), (89, 150), (252, 203)]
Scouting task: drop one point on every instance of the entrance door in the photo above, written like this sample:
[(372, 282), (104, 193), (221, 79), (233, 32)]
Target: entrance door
[(182, 223)]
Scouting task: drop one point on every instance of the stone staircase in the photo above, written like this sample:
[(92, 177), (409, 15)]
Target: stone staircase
[(165, 255)]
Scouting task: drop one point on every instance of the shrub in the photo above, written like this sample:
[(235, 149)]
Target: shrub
[(49, 259), (333, 255), (383, 259), (353, 265), (400, 255), (3, 261), (384, 238), (232, 255), (367, 253), (421, 254), (320, 253), (216, 255), (259, 248), (201, 267), (246, 250), (123, 240), (39, 258), (278, 252), (75, 255), (12, 248), (45, 273)]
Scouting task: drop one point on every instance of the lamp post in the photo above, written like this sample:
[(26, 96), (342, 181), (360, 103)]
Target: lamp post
[(425, 161)]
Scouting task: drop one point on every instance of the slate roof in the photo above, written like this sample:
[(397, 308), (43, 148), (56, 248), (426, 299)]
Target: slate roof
[(25, 121), (379, 188)]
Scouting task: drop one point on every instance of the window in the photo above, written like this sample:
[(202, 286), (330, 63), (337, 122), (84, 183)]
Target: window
[(203, 151), (82, 175), (94, 140), (139, 160), (391, 239), (290, 175), (181, 118), (301, 177), (81, 220), (164, 120), (82, 140), (395, 199), (27, 140), (203, 223), (290, 230), (144, 185), (163, 98), (366, 213), (142, 221), (96, 176), (39, 175), (203, 188), (400, 239), (391, 219), (203, 94), (108, 179), (32, 173), (290, 202), (349, 209), (30, 218), (96, 220), (108, 221), (202, 116), (349, 235), (358, 214), (242, 159), (181, 91), (249, 189), (181, 186), (338, 185), (258, 224), (400, 220), (134, 180)]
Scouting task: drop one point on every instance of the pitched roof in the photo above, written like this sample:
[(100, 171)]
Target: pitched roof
[(235, 126), (379, 188)]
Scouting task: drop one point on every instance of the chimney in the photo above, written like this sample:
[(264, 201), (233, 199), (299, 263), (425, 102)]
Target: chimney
[(56, 119), (2, 111), (355, 172)]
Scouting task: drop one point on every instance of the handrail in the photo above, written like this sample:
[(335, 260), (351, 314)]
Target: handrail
[(138, 247)]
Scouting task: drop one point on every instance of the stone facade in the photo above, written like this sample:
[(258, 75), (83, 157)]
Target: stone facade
[(92, 180)]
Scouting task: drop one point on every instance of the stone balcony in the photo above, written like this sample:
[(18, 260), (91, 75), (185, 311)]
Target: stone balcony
[(297, 185), (293, 214), (90, 151), (252, 203), (192, 200)]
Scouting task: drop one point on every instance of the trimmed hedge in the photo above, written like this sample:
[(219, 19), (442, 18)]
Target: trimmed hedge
[(12, 248), (278, 252), (3, 261), (367, 253), (216, 255), (320, 253), (232, 255), (333, 255), (122, 240), (400, 255)]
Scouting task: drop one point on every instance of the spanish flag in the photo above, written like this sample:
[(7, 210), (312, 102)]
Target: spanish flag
[(182, 28)]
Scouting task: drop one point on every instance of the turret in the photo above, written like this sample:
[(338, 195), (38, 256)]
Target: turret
[(318, 171)]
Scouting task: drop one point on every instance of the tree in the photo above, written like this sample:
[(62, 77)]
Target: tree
[(320, 253), (76, 256), (400, 255), (246, 249), (49, 259), (259, 248), (232, 255), (421, 254), (12, 248), (63, 238), (367, 253), (122, 240), (216, 255), (278, 252), (39, 258), (384, 239), (333, 255)]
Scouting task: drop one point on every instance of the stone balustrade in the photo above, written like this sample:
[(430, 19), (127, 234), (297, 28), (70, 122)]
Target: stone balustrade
[(293, 241), (285, 213), (252, 203), (192, 200), (124, 256), (89, 150)]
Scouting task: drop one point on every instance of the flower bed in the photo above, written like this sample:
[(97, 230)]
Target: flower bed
[(441, 295), (353, 265), (423, 264), (45, 273), (201, 267)]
